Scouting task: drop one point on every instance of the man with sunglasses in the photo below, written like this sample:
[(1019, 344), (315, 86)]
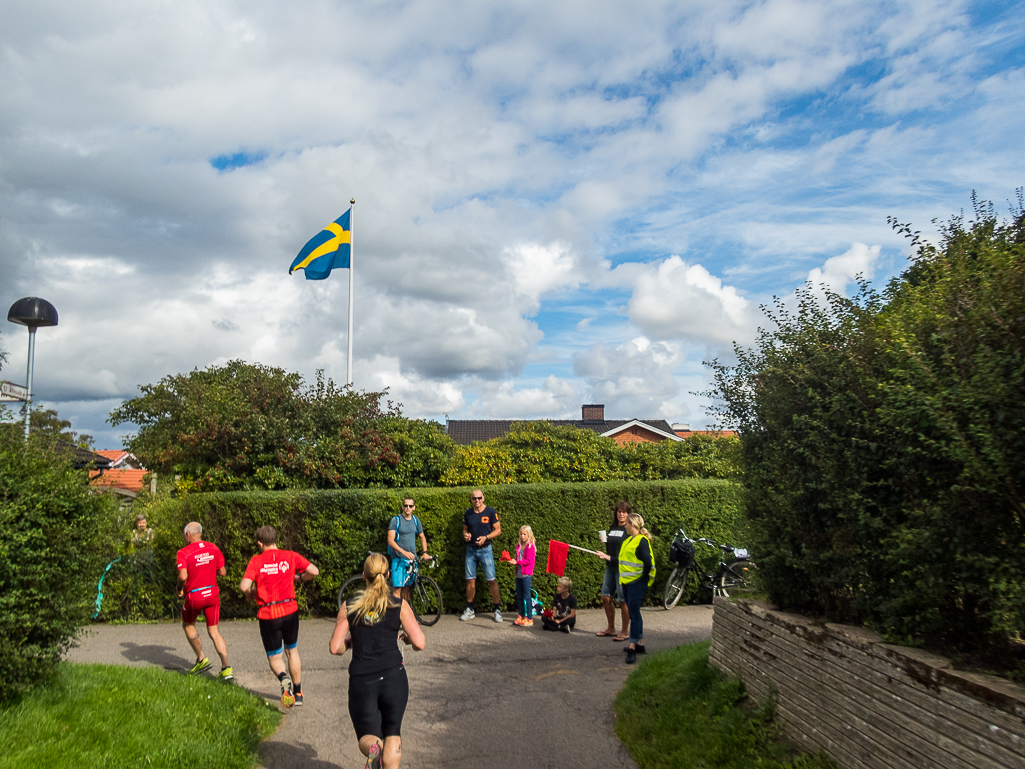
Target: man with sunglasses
[(402, 533), (480, 526)]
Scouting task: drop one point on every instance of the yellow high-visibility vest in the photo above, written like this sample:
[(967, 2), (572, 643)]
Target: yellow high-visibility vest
[(630, 566)]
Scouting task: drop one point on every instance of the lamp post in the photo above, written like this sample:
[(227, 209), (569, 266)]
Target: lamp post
[(32, 312)]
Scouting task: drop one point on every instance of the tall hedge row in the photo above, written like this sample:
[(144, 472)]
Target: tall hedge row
[(336, 529)]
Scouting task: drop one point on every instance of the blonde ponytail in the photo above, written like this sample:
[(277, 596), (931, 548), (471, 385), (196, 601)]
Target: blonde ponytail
[(638, 523), (371, 604)]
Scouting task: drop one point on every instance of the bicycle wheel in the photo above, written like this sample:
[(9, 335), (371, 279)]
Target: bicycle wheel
[(675, 586), (352, 586), (738, 577), (425, 599)]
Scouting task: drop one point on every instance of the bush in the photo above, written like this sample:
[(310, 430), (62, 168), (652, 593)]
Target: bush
[(884, 445), (52, 534), (336, 529)]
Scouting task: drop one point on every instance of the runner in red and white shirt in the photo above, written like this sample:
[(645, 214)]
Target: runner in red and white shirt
[(270, 581), (199, 564)]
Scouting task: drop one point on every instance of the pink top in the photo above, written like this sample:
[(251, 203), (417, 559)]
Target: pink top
[(525, 560)]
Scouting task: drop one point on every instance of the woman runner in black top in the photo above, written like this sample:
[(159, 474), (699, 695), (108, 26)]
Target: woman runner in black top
[(378, 687)]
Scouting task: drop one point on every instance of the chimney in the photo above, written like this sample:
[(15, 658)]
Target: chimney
[(593, 411)]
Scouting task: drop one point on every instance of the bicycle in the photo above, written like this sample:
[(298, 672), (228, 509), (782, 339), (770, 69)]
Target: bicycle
[(424, 597), (734, 575)]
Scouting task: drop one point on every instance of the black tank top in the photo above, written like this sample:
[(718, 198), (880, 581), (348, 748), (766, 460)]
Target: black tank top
[(375, 647)]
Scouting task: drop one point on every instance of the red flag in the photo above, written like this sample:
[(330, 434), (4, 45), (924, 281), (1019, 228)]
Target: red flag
[(557, 553)]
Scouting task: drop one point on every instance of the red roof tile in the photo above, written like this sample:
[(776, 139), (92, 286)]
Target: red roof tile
[(119, 479)]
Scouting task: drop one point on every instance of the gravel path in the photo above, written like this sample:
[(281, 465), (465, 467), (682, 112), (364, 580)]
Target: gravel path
[(481, 694)]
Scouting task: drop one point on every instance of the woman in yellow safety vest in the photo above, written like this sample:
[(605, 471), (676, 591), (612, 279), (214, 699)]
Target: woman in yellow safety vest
[(636, 573)]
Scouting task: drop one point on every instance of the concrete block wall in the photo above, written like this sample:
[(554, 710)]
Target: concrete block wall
[(868, 704)]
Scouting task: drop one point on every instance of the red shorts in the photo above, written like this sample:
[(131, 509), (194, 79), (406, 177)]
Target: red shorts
[(209, 607)]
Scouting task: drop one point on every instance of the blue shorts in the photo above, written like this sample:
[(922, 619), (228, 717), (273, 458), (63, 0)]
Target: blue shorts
[(482, 556), (401, 572), (610, 585)]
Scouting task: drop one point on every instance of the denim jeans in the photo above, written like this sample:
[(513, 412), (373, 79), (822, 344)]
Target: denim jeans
[(634, 593), (482, 556), (524, 601)]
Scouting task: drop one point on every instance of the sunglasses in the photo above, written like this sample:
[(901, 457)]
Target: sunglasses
[(409, 505), (476, 499)]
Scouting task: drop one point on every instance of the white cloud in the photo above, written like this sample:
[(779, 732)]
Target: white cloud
[(677, 300), (521, 172), (635, 379), (838, 271)]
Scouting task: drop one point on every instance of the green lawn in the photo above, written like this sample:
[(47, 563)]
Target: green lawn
[(678, 711), (111, 716)]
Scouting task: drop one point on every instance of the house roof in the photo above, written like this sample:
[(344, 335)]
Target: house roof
[(467, 431), (114, 455), (129, 480)]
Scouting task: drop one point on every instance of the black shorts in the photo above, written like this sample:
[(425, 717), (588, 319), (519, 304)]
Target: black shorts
[(377, 702), (279, 634)]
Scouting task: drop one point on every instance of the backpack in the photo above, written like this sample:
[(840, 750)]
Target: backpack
[(536, 602), (397, 518)]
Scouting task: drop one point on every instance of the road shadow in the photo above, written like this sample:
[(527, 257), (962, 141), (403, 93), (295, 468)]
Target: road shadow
[(285, 755), (162, 656)]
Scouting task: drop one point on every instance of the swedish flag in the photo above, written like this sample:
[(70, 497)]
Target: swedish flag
[(328, 250)]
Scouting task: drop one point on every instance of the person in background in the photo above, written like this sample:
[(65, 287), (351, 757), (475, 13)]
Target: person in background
[(480, 526), (270, 581), (378, 686), (636, 574), (142, 535), (402, 534), (199, 564), (526, 555), (610, 587), (564, 612)]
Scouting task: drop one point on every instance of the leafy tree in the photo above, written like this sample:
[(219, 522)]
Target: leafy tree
[(244, 425), (48, 422)]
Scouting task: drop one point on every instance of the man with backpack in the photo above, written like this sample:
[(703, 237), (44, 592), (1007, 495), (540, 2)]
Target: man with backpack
[(402, 533)]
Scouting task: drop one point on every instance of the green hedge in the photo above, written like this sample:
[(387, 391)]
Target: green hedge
[(336, 529)]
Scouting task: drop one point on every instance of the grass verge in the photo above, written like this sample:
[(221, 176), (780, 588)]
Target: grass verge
[(113, 716), (678, 711)]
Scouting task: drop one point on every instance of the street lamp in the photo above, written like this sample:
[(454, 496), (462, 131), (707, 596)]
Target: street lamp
[(32, 312)]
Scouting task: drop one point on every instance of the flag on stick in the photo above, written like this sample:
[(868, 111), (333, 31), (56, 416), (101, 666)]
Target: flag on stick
[(557, 554), (328, 250)]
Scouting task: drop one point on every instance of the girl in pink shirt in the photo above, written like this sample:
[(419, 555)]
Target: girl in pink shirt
[(526, 552)]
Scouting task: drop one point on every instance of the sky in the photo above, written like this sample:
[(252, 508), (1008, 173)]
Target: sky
[(556, 203)]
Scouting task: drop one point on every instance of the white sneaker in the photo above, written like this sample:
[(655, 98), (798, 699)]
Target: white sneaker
[(498, 616), (467, 615)]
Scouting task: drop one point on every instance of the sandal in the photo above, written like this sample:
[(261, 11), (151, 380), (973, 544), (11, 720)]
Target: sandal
[(621, 638), (603, 634)]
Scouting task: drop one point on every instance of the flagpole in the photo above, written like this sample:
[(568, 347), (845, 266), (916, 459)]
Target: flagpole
[(352, 261)]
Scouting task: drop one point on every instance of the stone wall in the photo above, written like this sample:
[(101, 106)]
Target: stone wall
[(867, 703)]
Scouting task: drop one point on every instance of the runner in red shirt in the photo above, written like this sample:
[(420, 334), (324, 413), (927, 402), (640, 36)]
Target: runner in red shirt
[(270, 581), (199, 564)]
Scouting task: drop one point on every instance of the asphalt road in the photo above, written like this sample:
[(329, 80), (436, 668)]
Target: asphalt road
[(481, 694)]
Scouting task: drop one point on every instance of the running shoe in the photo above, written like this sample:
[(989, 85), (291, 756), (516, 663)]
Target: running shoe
[(467, 615), (227, 674), (200, 667), (374, 759), (298, 699), (498, 616), (287, 695)]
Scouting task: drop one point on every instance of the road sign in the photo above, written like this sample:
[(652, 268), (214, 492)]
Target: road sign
[(13, 392)]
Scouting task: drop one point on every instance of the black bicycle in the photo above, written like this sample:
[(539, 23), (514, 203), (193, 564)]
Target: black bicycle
[(735, 574), (424, 598)]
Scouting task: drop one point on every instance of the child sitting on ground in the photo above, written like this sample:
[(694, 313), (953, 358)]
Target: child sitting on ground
[(564, 614)]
